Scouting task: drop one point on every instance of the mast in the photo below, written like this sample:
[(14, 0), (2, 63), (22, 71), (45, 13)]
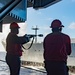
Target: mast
[(36, 28)]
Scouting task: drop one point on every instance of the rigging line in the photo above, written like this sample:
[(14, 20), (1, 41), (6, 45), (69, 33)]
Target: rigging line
[(29, 46), (2, 60), (34, 69)]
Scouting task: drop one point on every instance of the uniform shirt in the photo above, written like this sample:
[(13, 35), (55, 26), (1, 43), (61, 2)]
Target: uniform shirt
[(14, 43), (56, 47)]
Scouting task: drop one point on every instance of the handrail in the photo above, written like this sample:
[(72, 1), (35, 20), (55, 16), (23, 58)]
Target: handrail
[(28, 68)]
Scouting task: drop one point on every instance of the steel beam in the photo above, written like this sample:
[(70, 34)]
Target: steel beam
[(5, 10)]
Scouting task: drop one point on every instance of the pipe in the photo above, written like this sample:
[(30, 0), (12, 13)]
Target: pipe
[(2, 9), (1, 22), (8, 9)]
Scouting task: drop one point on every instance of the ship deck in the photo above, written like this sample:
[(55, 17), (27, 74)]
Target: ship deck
[(25, 69), (4, 70)]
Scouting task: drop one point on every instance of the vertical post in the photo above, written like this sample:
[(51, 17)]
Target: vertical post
[(35, 33), (1, 22)]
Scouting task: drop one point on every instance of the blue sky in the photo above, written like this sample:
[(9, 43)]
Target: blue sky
[(63, 10)]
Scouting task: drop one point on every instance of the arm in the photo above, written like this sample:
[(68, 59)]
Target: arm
[(68, 46), (20, 40)]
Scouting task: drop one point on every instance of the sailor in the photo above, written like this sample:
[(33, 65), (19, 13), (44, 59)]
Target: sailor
[(13, 48), (57, 46)]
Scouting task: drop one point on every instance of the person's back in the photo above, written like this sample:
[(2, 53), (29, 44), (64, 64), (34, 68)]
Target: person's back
[(57, 46)]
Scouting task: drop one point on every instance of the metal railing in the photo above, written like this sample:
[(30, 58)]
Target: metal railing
[(38, 70)]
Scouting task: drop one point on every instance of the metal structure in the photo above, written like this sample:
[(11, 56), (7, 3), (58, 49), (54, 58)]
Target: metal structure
[(40, 35), (13, 10), (36, 28), (43, 3), (16, 10)]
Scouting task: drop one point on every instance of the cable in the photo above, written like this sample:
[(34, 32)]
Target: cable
[(29, 46)]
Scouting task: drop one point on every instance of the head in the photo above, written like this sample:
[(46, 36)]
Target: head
[(56, 25), (14, 28)]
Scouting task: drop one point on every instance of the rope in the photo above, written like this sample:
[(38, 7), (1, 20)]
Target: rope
[(29, 46)]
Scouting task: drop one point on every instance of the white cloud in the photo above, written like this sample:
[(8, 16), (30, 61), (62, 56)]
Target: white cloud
[(49, 19), (6, 29), (45, 27), (72, 25), (33, 11), (39, 13), (22, 30), (73, 0)]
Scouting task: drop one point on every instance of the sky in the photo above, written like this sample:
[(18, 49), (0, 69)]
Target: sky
[(42, 18)]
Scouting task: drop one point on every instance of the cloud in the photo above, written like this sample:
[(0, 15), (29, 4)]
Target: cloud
[(73, 0), (33, 11), (22, 30), (72, 25), (45, 27), (49, 19), (6, 29), (39, 13)]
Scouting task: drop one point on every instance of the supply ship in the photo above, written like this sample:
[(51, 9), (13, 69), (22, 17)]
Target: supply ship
[(33, 57), (35, 54)]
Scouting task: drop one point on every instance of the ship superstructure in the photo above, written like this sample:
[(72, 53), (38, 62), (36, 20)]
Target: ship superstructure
[(35, 53), (34, 56)]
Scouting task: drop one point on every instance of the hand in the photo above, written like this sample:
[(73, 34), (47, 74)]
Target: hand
[(31, 36)]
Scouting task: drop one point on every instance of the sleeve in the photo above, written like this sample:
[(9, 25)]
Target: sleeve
[(68, 46), (20, 40), (44, 47)]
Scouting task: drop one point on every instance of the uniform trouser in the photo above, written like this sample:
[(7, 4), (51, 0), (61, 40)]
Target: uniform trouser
[(56, 68), (14, 64)]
